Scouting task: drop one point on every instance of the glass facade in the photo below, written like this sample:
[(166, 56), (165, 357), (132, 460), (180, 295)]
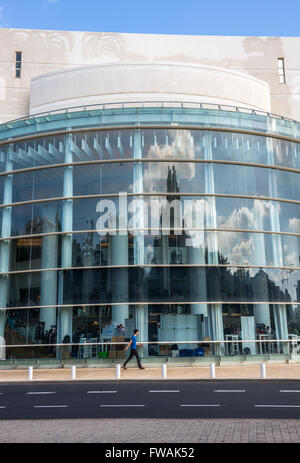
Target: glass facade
[(201, 247)]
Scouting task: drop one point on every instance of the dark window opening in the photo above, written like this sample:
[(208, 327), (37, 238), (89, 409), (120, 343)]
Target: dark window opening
[(18, 64)]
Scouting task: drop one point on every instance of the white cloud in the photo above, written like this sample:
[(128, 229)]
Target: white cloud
[(241, 252), (294, 224), (240, 218), (245, 218)]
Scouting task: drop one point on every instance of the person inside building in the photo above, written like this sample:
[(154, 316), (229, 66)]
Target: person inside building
[(76, 340), (51, 340)]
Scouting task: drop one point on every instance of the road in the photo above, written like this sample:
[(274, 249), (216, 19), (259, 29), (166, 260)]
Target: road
[(260, 399)]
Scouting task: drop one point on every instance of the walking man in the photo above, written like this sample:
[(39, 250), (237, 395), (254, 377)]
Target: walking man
[(133, 351)]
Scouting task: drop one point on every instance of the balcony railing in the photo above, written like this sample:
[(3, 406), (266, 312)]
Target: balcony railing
[(153, 104)]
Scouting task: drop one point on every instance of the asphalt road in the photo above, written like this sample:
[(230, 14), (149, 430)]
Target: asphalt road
[(260, 399)]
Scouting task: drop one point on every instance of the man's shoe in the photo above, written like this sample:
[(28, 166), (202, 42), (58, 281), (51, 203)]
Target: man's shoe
[(142, 368), (125, 368)]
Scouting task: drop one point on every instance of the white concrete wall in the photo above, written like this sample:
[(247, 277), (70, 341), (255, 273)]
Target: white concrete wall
[(126, 82), (47, 51)]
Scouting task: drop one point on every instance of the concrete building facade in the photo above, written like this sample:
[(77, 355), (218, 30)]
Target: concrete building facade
[(50, 51)]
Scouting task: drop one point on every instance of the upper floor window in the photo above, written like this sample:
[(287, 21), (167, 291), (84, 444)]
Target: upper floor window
[(18, 64), (281, 70)]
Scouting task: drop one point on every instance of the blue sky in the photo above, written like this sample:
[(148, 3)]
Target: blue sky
[(196, 17)]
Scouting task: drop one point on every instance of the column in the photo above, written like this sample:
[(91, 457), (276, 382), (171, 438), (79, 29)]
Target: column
[(49, 260), (215, 315), (280, 314), (119, 256), (261, 311), (5, 249), (87, 261), (165, 260), (280, 319), (141, 320), (65, 314), (141, 311), (196, 256)]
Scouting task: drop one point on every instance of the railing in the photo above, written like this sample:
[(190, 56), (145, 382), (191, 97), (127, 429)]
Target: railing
[(214, 348), (151, 104)]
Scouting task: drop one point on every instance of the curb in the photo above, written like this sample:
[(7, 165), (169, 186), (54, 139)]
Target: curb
[(200, 380)]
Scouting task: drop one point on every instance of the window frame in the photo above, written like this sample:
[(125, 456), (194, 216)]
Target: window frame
[(18, 69)]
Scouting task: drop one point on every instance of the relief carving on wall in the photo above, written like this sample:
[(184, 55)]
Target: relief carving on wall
[(45, 42), (102, 45)]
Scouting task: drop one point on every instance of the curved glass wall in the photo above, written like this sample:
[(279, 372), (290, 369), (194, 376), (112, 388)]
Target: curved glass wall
[(234, 213), (159, 285), (106, 230), (157, 144), (234, 249), (188, 177)]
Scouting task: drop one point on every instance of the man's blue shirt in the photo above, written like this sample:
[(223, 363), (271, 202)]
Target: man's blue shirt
[(133, 344)]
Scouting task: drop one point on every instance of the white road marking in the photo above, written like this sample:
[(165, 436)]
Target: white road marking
[(288, 391), (2, 407), (101, 392), (50, 406), (228, 390), (277, 406), (165, 391), (201, 405), (40, 392), (122, 405)]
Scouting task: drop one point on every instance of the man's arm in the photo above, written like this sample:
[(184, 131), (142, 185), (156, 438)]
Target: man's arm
[(128, 345)]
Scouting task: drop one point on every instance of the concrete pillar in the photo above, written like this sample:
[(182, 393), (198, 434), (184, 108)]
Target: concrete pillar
[(262, 314), (165, 260), (65, 319), (198, 280), (215, 315), (280, 311), (261, 311), (139, 248), (49, 260), (87, 261), (109, 262), (141, 311), (198, 285), (119, 256), (141, 320), (65, 315), (280, 319), (5, 249)]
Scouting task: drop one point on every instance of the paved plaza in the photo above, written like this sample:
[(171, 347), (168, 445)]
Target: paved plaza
[(151, 431)]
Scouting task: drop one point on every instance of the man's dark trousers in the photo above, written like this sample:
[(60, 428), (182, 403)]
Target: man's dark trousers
[(132, 353)]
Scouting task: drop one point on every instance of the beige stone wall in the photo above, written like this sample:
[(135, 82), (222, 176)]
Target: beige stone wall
[(46, 51)]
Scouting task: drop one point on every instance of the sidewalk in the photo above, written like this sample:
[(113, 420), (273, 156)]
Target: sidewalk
[(150, 431), (273, 371)]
